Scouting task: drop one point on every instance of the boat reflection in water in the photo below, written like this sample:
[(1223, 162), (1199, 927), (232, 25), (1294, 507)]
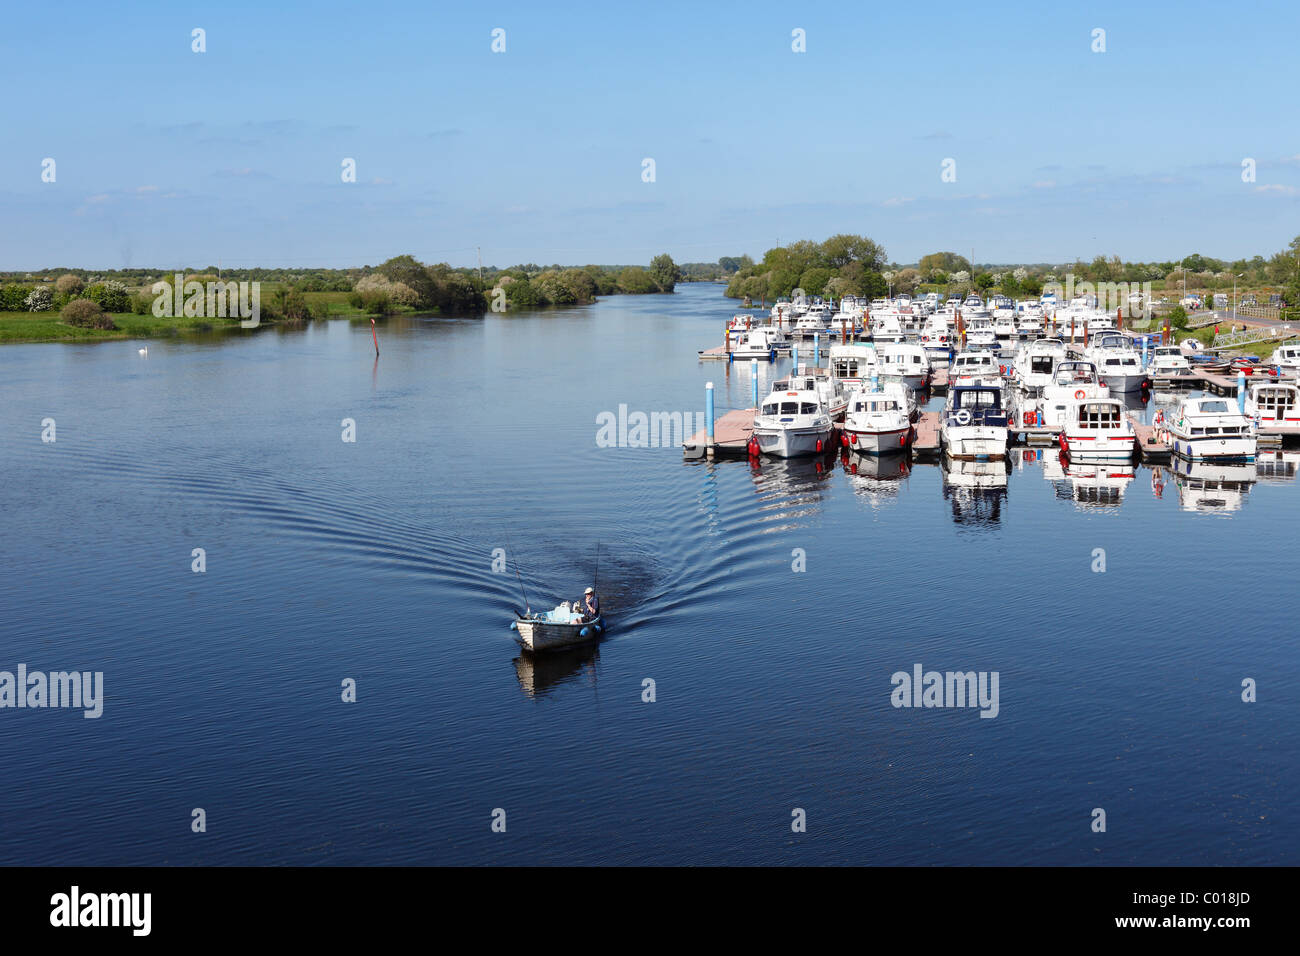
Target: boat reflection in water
[(1210, 486), (790, 489), (976, 489), (1094, 486), (539, 674), (877, 478), (1276, 465)]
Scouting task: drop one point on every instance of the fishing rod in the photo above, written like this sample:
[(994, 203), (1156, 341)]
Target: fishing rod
[(528, 609)]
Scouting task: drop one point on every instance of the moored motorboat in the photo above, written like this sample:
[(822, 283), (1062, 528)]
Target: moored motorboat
[(1211, 428), (1097, 430), (878, 422), (974, 422), (791, 423)]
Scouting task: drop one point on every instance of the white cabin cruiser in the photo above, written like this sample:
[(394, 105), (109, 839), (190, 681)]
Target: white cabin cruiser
[(792, 423), (1120, 369), (1167, 361), (1036, 361), (1274, 403), (829, 389), (878, 422), (1004, 323), (936, 339), (854, 365), (887, 326), (980, 333), (1097, 430), (970, 368), (1287, 359), (974, 422), (1071, 381), (1210, 428), (762, 343), (904, 362)]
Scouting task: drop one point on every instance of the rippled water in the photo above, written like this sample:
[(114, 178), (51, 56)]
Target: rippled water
[(373, 560)]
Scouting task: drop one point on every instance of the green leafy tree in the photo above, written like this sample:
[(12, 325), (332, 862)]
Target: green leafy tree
[(664, 272)]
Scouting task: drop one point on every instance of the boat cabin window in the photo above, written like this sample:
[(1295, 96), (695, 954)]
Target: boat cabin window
[(1214, 406), (789, 408), (771, 409), (808, 408), (1098, 415), (1276, 398), (1040, 363), (973, 399)]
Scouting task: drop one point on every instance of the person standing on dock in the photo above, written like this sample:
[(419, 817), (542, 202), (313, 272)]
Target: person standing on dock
[(592, 603)]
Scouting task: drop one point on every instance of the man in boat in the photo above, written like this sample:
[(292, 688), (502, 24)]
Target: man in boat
[(591, 604)]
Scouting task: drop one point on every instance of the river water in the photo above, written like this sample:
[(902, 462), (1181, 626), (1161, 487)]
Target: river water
[(770, 608)]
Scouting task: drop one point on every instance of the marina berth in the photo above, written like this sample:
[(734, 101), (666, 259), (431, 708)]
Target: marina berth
[(974, 422), (1211, 428), (878, 422), (1098, 430), (1166, 364)]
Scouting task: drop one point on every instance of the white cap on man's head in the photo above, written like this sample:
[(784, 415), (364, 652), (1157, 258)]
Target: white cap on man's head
[(591, 591)]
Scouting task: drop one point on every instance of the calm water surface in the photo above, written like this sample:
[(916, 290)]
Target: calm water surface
[(373, 560)]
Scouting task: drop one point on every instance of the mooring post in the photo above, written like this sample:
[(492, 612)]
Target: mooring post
[(817, 349), (794, 353), (708, 417), (1145, 339), (1241, 391), (753, 375)]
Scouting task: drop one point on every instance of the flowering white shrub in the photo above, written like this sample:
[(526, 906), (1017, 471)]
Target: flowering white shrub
[(39, 300)]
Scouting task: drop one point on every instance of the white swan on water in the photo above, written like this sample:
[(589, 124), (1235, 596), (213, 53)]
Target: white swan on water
[(144, 351)]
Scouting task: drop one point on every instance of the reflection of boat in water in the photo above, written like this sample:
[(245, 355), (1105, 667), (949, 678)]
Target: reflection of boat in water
[(876, 477), (789, 487), (1212, 485), (1099, 485), (976, 489), (1276, 465), (538, 674)]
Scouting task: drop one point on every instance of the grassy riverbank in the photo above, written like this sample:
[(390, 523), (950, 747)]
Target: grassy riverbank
[(19, 327)]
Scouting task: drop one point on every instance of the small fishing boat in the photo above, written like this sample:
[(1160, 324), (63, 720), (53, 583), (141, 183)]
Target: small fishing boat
[(543, 632)]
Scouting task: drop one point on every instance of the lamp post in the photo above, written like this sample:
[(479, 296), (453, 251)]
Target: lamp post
[(1234, 294)]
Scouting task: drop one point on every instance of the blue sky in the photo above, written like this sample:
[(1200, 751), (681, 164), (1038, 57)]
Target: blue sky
[(169, 158)]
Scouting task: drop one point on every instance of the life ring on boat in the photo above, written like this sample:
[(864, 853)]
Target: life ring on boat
[(962, 416), (1080, 393)]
